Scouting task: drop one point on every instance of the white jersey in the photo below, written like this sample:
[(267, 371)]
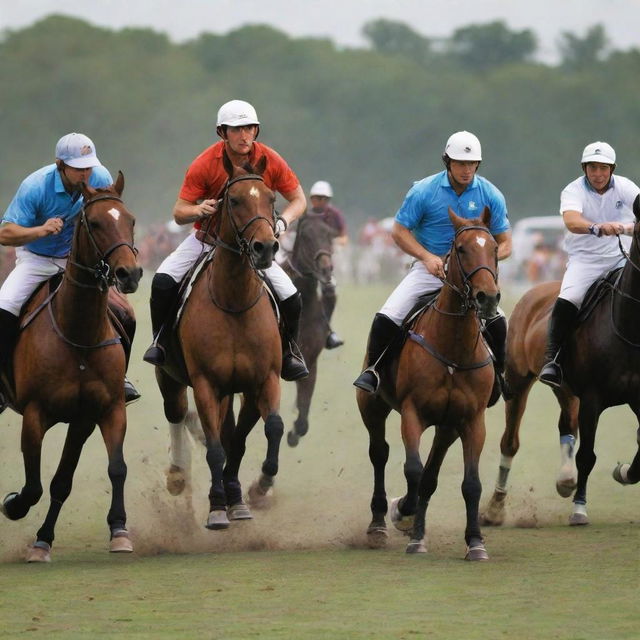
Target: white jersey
[(615, 205)]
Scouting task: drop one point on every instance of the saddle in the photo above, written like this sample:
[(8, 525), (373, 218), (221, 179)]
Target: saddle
[(596, 292)]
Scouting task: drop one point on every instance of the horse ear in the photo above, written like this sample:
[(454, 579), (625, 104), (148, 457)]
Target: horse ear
[(261, 166), (636, 207), (119, 183), (455, 219), (87, 191), (486, 217), (226, 163)]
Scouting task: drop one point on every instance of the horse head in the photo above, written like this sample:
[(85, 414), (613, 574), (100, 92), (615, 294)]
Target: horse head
[(103, 240), (248, 213), (473, 263), (313, 248)]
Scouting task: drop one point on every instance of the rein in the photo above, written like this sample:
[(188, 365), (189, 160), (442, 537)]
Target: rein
[(101, 270), (243, 246)]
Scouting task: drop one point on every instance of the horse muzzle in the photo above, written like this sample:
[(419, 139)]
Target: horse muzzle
[(263, 252), (487, 304), (128, 278)]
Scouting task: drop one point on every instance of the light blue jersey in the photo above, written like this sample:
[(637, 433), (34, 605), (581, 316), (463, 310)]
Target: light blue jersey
[(42, 196), (425, 210)]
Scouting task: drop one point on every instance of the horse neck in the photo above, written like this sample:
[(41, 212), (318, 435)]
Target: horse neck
[(626, 306), (80, 311)]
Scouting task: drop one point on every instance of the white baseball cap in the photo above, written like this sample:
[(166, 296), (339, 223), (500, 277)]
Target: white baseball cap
[(463, 145), (237, 113), (599, 152), (78, 151), (321, 188)]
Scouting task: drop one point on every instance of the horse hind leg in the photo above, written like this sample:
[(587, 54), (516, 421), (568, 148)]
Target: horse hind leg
[(261, 490), (625, 473), (567, 477), (304, 392)]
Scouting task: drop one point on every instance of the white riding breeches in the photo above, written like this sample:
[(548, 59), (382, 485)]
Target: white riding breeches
[(30, 270), (184, 257), (416, 283), (580, 275)]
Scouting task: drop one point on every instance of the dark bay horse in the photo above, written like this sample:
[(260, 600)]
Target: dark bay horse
[(69, 365), (601, 364), (229, 338), (442, 376), (310, 266)]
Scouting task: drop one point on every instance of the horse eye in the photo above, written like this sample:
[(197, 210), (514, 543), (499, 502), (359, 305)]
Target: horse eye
[(460, 249), (234, 202)]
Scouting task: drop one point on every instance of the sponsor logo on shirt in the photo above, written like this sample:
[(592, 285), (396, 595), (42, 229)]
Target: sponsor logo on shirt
[(619, 204), (472, 205)]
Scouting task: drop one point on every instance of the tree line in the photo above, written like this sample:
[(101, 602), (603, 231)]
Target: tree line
[(370, 120)]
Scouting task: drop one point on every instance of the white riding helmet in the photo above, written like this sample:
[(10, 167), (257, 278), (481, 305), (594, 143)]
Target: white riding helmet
[(78, 151), (599, 152), (237, 113), (321, 188), (463, 145)]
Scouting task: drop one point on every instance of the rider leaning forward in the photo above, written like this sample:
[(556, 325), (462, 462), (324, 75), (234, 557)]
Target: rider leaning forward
[(198, 201), (423, 229), (596, 209), (40, 222)]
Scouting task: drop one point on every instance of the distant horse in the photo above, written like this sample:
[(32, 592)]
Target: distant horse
[(601, 364), (69, 365), (229, 339), (442, 376), (309, 266)]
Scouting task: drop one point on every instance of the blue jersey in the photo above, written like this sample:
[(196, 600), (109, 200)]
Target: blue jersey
[(425, 210), (42, 196)]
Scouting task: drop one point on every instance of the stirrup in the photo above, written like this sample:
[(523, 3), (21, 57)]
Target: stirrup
[(155, 355), (131, 394), (551, 374), (333, 341), (368, 380)]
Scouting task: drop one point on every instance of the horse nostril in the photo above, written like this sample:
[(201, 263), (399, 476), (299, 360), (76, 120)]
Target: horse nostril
[(258, 248), (481, 297), (498, 296)]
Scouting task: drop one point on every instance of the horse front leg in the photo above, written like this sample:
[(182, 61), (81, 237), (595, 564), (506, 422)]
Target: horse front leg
[(16, 505), (403, 509), (212, 410), (473, 437), (567, 477), (588, 416), (443, 439), (60, 489), (269, 407), (304, 393), (113, 428), (494, 512)]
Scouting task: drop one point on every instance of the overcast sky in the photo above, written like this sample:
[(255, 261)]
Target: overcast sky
[(342, 20)]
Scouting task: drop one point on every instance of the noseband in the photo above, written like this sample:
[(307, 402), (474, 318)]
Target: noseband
[(101, 270), (465, 292)]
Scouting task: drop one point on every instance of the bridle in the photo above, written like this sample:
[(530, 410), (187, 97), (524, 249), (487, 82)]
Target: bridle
[(465, 290), (101, 271), (242, 245)]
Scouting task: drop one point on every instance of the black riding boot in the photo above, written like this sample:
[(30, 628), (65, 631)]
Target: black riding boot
[(328, 305), (561, 323), (495, 332), (293, 364), (383, 332), (163, 292), (8, 335)]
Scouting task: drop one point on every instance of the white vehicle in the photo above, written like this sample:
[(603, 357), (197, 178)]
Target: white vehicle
[(537, 253)]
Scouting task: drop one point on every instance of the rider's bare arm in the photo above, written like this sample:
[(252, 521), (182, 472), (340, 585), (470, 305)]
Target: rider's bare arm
[(407, 242), (576, 223), (296, 205), (15, 235), (185, 212), (504, 244)]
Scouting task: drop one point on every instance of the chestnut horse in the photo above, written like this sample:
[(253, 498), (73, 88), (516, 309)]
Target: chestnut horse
[(309, 266), (229, 338), (442, 376), (69, 365), (601, 364)]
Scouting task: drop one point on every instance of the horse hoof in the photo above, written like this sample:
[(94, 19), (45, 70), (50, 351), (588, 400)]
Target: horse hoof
[(400, 522), (120, 542), (416, 546), (259, 497), (377, 537), (620, 473), (493, 515), (579, 515), (567, 481), (217, 520), (239, 511), (476, 552), (39, 552), (7, 499), (293, 438), (176, 481)]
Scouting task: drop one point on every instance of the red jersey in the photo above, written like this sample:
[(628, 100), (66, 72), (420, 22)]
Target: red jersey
[(206, 176)]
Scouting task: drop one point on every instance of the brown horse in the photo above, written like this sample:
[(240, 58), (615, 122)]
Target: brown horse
[(601, 364), (229, 338), (442, 376), (69, 365), (310, 266)]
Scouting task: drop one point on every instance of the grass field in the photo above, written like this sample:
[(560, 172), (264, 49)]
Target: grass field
[(302, 569)]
